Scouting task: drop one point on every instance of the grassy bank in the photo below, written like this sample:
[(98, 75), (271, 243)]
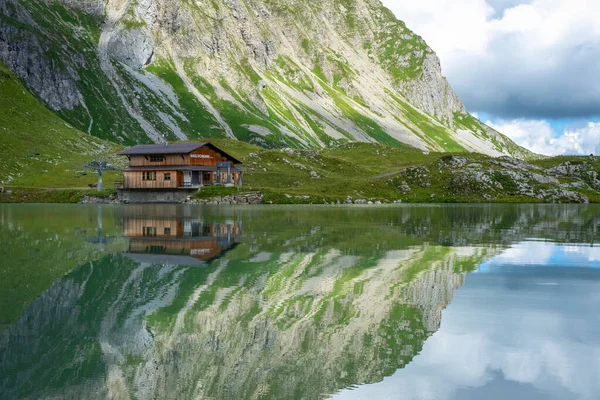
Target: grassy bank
[(33, 195), (369, 172)]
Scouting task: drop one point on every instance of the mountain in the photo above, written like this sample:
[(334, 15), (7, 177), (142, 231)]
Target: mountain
[(27, 156), (302, 74)]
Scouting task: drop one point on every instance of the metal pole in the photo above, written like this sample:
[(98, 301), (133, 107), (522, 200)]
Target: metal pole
[(99, 180)]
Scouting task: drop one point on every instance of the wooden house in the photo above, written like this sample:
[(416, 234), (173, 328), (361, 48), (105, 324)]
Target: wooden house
[(161, 170)]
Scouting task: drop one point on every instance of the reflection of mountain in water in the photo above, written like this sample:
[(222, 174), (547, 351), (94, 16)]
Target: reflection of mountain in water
[(310, 301), (286, 324), (172, 239)]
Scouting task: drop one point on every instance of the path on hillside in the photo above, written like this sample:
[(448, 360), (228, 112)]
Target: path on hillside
[(387, 175)]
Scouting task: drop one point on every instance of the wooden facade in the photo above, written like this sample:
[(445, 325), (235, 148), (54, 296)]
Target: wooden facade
[(179, 166), (165, 179), (203, 156)]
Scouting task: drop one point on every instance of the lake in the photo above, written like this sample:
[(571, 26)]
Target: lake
[(391, 302)]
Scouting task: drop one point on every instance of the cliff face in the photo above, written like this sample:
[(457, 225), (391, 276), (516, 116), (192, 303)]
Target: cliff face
[(276, 73)]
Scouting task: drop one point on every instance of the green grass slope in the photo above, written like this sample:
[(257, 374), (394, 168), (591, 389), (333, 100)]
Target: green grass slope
[(38, 148), (381, 173)]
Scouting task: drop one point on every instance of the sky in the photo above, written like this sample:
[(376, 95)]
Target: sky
[(528, 68)]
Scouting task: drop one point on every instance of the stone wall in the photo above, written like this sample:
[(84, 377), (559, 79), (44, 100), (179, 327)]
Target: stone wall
[(155, 196), (251, 198)]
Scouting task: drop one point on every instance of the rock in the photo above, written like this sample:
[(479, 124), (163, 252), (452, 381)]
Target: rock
[(398, 201), (253, 155), (513, 163), (370, 202), (568, 169), (404, 187), (112, 199), (299, 166), (378, 202), (337, 202), (1, 189), (418, 175), (432, 196), (467, 181), (360, 201), (8, 192), (314, 175), (550, 180), (133, 47), (348, 200), (453, 161)]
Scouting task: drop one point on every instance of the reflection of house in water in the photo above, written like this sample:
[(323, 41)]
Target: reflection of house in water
[(173, 240)]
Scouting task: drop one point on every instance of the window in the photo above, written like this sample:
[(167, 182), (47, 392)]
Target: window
[(149, 231), (157, 158), (158, 249), (167, 231), (167, 177), (149, 176)]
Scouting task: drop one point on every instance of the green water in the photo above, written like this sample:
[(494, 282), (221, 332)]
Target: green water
[(408, 302)]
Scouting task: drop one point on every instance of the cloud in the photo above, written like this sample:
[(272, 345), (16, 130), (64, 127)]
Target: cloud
[(533, 59), (539, 137), (508, 335)]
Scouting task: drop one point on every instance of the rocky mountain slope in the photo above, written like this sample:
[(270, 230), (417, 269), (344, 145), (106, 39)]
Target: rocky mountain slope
[(37, 146), (271, 72)]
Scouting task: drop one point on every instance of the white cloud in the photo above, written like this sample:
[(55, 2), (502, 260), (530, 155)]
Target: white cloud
[(534, 59), (539, 137), (505, 336)]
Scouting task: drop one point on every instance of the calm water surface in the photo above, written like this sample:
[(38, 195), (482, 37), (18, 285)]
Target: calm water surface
[(422, 302)]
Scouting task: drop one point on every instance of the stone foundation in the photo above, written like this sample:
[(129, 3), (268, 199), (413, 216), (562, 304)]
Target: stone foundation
[(250, 198), (155, 196)]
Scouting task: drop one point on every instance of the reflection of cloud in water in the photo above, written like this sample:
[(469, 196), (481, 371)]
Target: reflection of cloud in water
[(500, 341), (545, 254)]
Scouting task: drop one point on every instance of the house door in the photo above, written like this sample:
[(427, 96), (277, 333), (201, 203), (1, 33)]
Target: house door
[(187, 178)]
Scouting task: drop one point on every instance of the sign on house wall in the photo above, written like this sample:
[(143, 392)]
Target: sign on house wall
[(203, 156)]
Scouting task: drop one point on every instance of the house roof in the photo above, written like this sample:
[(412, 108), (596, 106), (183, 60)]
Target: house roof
[(174, 148)]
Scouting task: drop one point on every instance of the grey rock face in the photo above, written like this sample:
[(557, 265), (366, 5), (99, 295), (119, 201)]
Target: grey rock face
[(432, 92), (133, 47), (28, 56)]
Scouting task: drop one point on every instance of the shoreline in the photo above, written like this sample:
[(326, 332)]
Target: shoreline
[(75, 196)]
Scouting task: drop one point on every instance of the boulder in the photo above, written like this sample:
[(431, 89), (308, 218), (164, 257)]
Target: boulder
[(404, 187), (453, 161)]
